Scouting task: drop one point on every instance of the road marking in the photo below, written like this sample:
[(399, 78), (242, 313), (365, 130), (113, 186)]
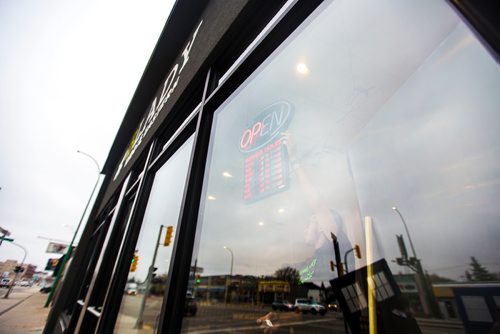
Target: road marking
[(233, 329)]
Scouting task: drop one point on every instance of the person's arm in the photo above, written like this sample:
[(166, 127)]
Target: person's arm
[(318, 206)]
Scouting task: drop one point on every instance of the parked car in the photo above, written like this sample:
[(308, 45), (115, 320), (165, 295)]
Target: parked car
[(307, 305), (4, 283), (282, 305), (190, 306), (46, 289), (24, 283)]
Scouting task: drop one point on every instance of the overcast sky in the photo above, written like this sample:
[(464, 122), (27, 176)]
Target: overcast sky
[(68, 70)]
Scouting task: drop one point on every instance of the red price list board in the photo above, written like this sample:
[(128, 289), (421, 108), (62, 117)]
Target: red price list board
[(266, 172)]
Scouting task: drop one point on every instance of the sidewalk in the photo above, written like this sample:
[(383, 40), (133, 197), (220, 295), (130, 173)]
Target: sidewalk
[(23, 311)]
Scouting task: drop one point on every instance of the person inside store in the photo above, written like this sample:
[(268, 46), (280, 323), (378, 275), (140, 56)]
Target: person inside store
[(323, 220)]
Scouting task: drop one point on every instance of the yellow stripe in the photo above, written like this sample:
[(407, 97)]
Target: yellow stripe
[(372, 304)]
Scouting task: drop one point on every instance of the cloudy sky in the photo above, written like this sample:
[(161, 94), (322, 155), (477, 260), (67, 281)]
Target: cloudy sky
[(67, 73)]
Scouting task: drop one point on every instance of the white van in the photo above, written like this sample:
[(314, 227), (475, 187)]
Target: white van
[(131, 289)]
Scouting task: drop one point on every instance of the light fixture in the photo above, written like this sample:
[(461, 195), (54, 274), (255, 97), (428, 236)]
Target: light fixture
[(302, 68), (261, 223), (227, 174), (212, 198), (281, 210)]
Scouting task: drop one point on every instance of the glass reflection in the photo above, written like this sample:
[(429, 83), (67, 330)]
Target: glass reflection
[(399, 109), (143, 295)]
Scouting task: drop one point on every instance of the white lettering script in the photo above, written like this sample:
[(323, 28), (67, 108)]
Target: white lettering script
[(168, 88)]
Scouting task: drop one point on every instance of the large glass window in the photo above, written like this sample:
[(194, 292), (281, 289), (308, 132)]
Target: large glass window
[(143, 295), (369, 138)]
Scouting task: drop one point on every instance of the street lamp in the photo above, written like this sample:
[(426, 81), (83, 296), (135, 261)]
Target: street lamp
[(407, 232), (230, 273), (70, 246), (427, 298)]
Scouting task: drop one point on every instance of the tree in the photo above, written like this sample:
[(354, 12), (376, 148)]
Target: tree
[(435, 278), (288, 274), (478, 272)]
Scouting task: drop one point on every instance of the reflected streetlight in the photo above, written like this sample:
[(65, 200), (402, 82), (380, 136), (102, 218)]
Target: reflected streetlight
[(70, 246), (428, 300), (231, 271), (407, 232)]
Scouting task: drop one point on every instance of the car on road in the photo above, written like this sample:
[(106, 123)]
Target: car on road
[(131, 289), (24, 283), (190, 306), (46, 288), (4, 283), (282, 305), (334, 306), (307, 305)]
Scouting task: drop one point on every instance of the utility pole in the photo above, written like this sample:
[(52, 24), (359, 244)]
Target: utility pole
[(340, 268), (230, 274), (357, 252), (17, 270), (140, 318), (338, 261), (426, 294)]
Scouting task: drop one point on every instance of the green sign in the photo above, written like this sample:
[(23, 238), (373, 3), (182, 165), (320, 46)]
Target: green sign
[(308, 272)]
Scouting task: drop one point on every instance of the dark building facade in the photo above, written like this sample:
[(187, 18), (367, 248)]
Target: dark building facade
[(290, 142)]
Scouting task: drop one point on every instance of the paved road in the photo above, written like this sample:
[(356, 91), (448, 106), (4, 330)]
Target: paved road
[(220, 318)]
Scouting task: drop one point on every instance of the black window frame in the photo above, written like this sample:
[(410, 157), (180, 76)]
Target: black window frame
[(482, 17)]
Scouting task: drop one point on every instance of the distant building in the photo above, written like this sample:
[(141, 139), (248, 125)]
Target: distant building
[(7, 270), (28, 272)]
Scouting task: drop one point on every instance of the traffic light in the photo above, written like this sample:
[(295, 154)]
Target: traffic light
[(153, 272), (18, 269), (341, 269), (133, 265), (198, 279), (332, 266), (357, 251), (168, 236)]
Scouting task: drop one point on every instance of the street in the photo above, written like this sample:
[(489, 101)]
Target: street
[(220, 318), (18, 289)]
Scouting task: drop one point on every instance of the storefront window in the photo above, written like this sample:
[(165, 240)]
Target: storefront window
[(143, 295), (375, 123)]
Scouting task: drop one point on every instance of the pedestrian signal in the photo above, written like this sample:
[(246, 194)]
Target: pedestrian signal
[(168, 236)]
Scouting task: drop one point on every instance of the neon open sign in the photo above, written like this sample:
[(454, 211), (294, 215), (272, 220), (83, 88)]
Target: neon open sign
[(266, 162), (266, 126)]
